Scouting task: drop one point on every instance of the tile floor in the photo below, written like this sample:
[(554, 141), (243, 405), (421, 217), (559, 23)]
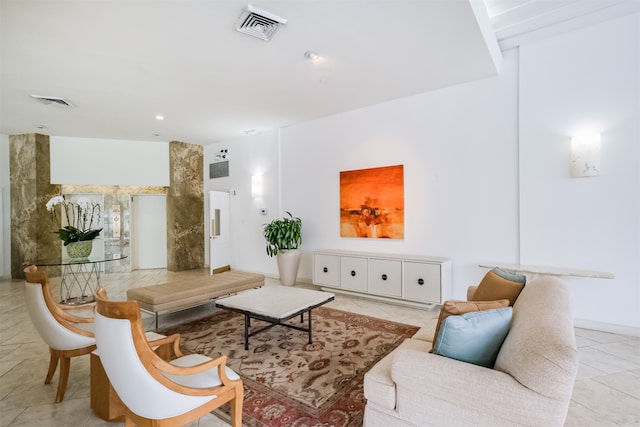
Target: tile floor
[(606, 393)]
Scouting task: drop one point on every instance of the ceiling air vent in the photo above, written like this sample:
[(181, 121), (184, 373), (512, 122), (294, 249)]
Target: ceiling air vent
[(53, 99), (259, 23)]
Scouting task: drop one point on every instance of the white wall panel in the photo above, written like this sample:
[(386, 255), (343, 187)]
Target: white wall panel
[(91, 161), (459, 150), (584, 81), (248, 155)]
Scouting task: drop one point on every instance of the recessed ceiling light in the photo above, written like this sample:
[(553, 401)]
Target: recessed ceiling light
[(40, 127), (311, 55), (159, 117)]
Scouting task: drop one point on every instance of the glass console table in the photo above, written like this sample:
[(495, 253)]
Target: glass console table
[(80, 277)]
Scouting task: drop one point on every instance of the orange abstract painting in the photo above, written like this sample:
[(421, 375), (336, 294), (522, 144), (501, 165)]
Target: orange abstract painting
[(372, 203)]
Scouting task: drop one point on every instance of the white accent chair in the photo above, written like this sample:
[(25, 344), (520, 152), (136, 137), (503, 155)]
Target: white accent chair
[(156, 392), (56, 327)]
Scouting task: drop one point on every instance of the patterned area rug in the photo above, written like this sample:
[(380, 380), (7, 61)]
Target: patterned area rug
[(289, 382)]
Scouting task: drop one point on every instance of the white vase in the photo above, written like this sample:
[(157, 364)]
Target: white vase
[(288, 262)]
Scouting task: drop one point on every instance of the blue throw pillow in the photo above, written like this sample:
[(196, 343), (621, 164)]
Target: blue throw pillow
[(520, 278), (474, 337)]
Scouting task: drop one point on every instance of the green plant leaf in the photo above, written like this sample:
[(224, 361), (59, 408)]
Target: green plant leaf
[(283, 233)]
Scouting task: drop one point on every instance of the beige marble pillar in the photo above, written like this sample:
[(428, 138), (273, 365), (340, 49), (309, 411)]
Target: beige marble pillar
[(185, 207), (32, 226)]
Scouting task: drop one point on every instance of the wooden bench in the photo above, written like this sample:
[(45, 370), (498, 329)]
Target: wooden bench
[(183, 294)]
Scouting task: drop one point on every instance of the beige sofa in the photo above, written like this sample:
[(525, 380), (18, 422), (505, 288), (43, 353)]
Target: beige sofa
[(531, 383)]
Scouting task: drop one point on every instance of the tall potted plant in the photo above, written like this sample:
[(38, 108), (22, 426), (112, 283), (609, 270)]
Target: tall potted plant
[(283, 236)]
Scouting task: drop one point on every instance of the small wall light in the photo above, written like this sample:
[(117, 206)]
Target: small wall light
[(585, 155), (256, 186)]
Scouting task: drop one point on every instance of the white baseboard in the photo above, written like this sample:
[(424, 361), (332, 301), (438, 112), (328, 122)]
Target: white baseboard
[(607, 327)]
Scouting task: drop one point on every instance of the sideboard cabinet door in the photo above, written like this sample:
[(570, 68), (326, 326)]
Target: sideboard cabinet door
[(385, 277), (353, 273), (326, 270), (421, 282)]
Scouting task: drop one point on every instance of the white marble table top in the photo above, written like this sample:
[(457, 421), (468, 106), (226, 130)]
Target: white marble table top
[(278, 302), (550, 271)]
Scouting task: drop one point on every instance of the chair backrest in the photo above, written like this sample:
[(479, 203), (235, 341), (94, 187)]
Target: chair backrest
[(127, 360), (54, 331)]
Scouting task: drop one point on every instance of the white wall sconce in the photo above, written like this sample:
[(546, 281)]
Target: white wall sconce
[(585, 155), (256, 186)]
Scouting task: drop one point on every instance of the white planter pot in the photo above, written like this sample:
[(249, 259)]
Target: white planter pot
[(288, 262)]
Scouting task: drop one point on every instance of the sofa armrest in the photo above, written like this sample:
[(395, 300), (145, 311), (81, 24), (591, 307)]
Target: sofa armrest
[(447, 392)]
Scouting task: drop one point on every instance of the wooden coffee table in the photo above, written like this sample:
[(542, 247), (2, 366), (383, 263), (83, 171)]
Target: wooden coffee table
[(275, 304)]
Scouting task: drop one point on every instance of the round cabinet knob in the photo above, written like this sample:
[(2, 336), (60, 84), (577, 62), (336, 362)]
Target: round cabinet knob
[(353, 273), (384, 277), (420, 282), (325, 269)]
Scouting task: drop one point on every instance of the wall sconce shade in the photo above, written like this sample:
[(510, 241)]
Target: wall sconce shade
[(585, 155), (256, 186)]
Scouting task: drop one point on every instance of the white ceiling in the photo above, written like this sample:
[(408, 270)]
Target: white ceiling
[(122, 62)]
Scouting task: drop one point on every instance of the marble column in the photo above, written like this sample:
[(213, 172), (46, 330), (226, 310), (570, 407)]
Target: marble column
[(32, 226), (185, 207)]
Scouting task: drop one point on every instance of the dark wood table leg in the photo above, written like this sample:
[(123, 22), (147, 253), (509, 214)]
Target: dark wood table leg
[(310, 338), (247, 321)]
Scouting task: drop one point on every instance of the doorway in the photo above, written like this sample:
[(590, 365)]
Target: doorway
[(148, 231), (219, 232)]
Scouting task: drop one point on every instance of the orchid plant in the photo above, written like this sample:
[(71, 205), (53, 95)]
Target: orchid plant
[(82, 216)]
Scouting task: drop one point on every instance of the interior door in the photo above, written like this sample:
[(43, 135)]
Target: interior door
[(219, 234), (148, 231)]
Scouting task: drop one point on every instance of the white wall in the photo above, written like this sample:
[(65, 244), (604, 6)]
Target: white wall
[(459, 150), (486, 171), (5, 216), (108, 162), (254, 155), (586, 80)]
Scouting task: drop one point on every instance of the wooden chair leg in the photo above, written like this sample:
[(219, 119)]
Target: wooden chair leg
[(53, 364), (236, 407), (65, 362)]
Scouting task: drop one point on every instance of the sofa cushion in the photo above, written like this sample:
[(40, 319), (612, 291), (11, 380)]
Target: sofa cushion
[(494, 287), (456, 308), (474, 337), (379, 388), (426, 332)]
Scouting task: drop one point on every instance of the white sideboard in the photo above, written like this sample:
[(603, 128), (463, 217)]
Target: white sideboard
[(406, 279)]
